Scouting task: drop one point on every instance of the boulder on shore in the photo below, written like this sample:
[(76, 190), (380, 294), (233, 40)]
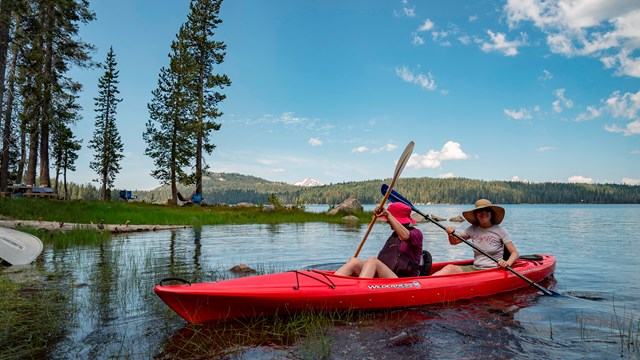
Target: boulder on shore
[(349, 206), (245, 205)]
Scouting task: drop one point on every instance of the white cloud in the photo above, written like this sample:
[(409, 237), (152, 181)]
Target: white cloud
[(446, 176), (360, 149), (424, 81), (620, 106), (625, 106), (433, 159), (517, 178), (522, 114), (438, 35), (592, 113), (545, 148), (630, 181), (561, 101), (465, 39), (609, 30), (578, 179), (426, 26), (498, 42), (406, 10), (634, 152), (632, 128), (417, 39), (315, 142), (546, 75), (289, 118), (386, 148)]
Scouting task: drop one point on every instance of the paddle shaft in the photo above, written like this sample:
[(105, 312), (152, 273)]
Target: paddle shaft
[(397, 197), (401, 163)]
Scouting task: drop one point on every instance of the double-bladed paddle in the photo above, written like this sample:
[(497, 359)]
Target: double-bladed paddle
[(395, 197), (402, 161)]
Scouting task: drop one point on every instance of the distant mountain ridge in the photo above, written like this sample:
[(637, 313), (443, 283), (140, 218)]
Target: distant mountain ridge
[(233, 188)]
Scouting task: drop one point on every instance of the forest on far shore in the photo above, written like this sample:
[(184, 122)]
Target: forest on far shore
[(229, 188)]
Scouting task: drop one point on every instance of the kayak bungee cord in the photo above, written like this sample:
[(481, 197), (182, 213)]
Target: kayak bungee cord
[(329, 283)]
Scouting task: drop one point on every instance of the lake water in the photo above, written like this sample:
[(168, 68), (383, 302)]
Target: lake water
[(117, 315)]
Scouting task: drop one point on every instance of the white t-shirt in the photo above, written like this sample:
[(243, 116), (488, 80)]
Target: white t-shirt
[(491, 240)]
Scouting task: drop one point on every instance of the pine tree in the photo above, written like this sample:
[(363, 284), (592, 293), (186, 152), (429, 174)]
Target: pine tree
[(106, 140), (169, 130), (47, 48), (201, 24), (64, 146)]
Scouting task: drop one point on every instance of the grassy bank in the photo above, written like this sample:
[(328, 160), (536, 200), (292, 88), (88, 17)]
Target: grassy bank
[(143, 214)]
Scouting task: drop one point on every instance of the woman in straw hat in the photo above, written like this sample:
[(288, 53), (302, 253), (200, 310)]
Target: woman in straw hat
[(401, 254), (487, 234)]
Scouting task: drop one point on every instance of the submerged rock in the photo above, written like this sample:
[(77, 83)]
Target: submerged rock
[(242, 269)]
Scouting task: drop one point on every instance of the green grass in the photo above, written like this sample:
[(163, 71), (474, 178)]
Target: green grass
[(150, 214)]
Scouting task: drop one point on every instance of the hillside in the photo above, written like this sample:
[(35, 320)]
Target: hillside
[(230, 188)]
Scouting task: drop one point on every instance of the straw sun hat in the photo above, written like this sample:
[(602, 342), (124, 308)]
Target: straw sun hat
[(496, 218)]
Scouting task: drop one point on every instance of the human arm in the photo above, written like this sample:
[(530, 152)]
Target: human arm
[(512, 258), (401, 230), (453, 240)]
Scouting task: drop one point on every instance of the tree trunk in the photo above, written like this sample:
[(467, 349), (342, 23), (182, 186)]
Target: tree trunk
[(200, 133), (5, 24), (30, 176), (45, 121), (23, 153), (8, 114)]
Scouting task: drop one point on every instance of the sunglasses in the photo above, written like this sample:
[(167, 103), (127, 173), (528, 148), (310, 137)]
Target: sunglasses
[(482, 210)]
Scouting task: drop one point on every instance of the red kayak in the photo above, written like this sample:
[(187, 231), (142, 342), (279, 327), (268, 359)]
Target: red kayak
[(312, 290)]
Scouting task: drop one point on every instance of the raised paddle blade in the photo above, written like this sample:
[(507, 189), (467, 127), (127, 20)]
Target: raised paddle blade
[(402, 161), (395, 197)]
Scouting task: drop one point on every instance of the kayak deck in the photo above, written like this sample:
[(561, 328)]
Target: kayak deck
[(316, 290)]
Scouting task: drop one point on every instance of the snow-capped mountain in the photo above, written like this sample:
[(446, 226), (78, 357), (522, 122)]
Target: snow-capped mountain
[(309, 182)]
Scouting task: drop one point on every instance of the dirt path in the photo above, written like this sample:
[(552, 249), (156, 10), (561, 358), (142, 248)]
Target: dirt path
[(59, 226)]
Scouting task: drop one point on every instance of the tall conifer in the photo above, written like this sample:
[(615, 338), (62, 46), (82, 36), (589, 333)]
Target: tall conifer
[(202, 22), (169, 133), (106, 139)]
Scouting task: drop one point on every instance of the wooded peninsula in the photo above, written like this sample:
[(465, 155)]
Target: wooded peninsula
[(229, 188)]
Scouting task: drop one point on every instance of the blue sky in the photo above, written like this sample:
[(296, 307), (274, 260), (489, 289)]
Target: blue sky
[(334, 90)]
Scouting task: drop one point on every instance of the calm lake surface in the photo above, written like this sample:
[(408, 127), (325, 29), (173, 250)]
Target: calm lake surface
[(117, 315)]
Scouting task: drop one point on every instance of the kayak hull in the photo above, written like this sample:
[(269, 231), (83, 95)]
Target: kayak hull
[(296, 291)]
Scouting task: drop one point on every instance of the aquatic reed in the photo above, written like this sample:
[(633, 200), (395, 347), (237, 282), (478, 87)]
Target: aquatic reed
[(31, 317), (152, 214)]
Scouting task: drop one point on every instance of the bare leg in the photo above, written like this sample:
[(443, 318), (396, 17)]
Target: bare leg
[(353, 267), (449, 269), (376, 268)]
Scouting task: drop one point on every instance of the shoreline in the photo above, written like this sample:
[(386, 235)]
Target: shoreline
[(58, 226)]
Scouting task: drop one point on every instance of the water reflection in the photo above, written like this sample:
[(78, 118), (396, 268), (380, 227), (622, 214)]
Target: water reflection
[(116, 313)]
